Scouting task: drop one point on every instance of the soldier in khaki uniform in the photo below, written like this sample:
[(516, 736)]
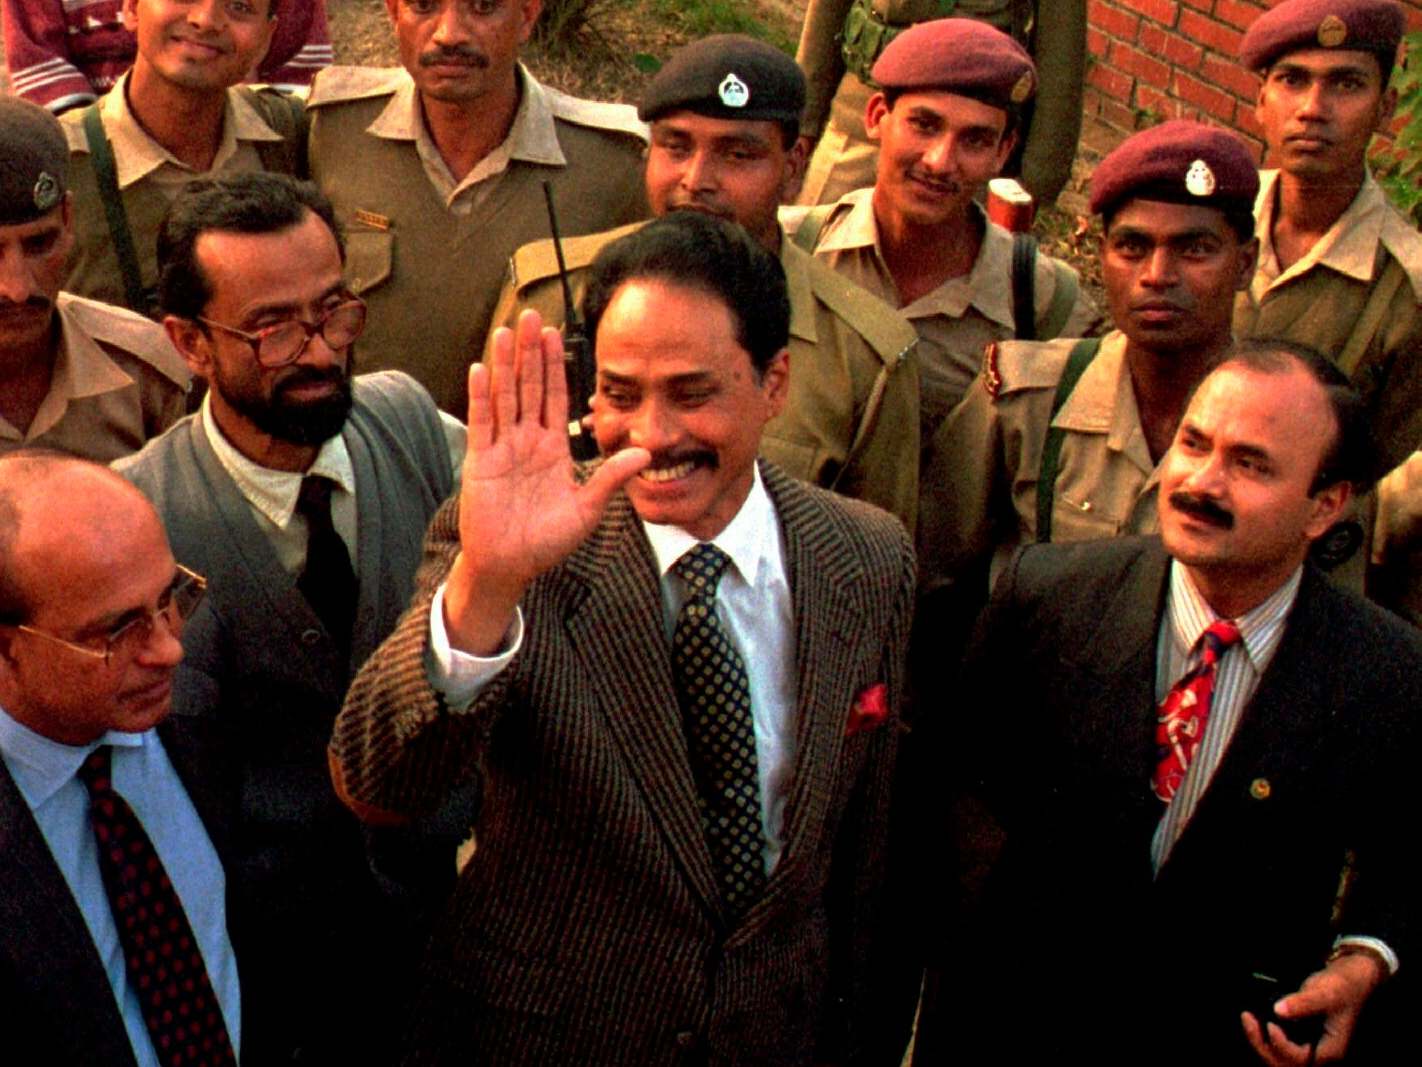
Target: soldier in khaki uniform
[(945, 122), (842, 39), (1177, 246), (724, 114), (436, 173), (178, 114), (75, 374), (1339, 268)]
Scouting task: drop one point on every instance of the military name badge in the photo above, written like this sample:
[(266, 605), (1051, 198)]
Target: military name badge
[(1332, 32), (46, 192), (1200, 179), (1023, 89), (373, 219), (733, 92), (992, 377)]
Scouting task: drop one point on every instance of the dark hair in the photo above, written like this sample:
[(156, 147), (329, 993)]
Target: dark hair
[(1351, 456), (254, 203), (1238, 215), (700, 252), (1012, 111)]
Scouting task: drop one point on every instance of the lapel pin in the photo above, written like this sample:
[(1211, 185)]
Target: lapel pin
[(1260, 789)]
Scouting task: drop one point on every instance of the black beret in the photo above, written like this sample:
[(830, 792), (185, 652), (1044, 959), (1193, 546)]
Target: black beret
[(962, 56), (34, 161), (1180, 162), (1356, 25), (727, 76)]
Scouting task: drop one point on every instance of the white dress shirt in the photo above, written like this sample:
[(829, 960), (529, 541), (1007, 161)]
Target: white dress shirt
[(752, 603), (1237, 675), (45, 772)]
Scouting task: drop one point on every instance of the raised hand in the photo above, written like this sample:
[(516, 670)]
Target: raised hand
[(520, 510)]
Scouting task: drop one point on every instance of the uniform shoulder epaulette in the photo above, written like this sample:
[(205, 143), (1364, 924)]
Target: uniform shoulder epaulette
[(337, 85), (72, 122), (881, 325), (140, 337), (1016, 366), (538, 261), (1402, 240), (597, 114)]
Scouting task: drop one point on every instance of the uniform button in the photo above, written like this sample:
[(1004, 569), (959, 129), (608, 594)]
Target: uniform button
[(1086, 505), (685, 1039), (310, 637), (1260, 789)]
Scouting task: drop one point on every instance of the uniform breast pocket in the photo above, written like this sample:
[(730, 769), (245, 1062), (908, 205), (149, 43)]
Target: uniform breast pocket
[(369, 257)]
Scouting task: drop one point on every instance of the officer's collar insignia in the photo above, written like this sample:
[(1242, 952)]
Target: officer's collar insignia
[(46, 192), (1200, 179), (733, 92), (1023, 89), (992, 377), (1332, 32)]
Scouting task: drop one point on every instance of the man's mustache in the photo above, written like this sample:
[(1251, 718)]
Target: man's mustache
[(310, 376), (1202, 508), (664, 458), (470, 57), (36, 302)]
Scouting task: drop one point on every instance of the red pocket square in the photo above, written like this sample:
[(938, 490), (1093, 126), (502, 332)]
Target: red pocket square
[(871, 708)]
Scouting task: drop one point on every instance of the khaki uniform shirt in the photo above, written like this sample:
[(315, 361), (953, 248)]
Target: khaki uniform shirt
[(980, 480), (850, 422), (1320, 299), (429, 253), (149, 177), (845, 158), (117, 381), (956, 321)]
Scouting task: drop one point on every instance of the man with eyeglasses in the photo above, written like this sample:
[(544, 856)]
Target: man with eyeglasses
[(92, 607), (303, 494)]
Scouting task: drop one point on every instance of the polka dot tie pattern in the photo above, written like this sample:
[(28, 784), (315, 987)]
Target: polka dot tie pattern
[(165, 966), (1180, 725), (716, 711)]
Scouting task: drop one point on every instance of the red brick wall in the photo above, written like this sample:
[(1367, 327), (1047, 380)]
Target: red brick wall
[(1150, 60)]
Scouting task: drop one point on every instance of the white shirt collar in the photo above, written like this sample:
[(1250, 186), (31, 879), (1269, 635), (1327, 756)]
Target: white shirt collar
[(41, 766), (274, 493), (744, 540), (1259, 628)]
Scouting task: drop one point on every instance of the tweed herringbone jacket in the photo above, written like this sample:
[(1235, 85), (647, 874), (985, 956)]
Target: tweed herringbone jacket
[(588, 928)]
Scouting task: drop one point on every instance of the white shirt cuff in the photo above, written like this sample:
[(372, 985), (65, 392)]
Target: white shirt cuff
[(458, 676), (1380, 947)]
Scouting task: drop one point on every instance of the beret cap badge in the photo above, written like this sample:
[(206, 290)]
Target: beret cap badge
[(1023, 88), (733, 92), (1200, 179), (47, 192), (1332, 32)]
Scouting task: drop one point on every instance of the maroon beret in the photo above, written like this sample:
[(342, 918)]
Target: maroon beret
[(961, 56), (1180, 162), (1357, 25)]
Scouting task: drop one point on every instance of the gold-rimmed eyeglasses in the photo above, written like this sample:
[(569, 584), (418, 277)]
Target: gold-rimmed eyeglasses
[(131, 636), (283, 342)]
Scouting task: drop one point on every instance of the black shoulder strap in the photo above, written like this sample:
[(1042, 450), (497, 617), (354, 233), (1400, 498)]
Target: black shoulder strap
[(1081, 356), (1024, 286), (101, 158)]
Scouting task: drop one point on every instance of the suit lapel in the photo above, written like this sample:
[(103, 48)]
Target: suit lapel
[(635, 691)]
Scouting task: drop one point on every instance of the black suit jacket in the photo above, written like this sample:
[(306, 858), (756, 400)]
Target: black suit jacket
[(56, 1005), (1298, 838)]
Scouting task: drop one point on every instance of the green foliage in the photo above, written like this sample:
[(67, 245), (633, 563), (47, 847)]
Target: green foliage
[(1399, 168), (698, 18)]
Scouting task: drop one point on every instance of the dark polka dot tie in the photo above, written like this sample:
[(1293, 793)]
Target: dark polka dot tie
[(720, 732), (165, 967)]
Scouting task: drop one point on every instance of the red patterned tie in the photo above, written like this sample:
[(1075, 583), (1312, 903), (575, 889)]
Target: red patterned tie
[(164, 964), (1185, 709)]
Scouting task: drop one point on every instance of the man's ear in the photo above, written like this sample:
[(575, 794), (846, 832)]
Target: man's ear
[(531, 10), (193, 343), (775, 381), (1386, 108), (1248, 263), (797, 159), (1005, 149), (1329, 505), (874, 113)]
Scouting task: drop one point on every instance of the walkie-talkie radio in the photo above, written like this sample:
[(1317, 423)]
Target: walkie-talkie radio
[(577, 351)]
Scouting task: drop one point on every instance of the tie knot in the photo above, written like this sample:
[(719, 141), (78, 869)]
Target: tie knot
[(1218, 636), (94, 771), (701, 568), (315, 495)]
